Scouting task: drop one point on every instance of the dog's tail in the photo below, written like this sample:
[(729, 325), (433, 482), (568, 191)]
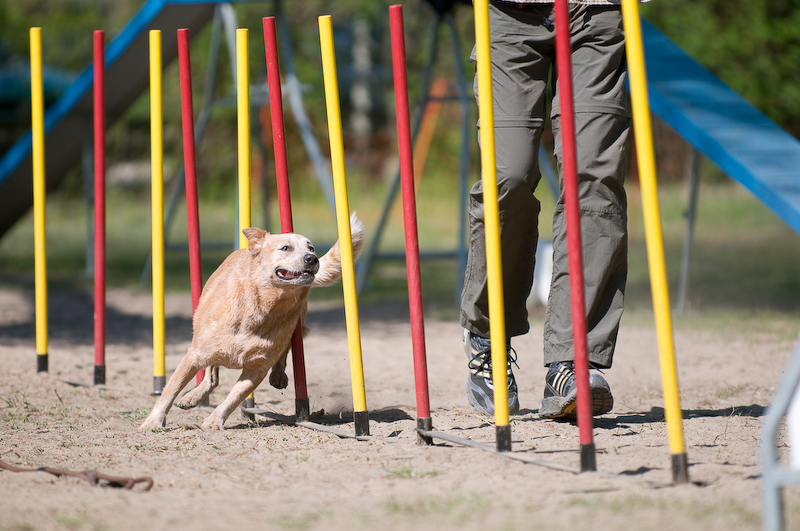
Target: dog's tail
[(330, 265)]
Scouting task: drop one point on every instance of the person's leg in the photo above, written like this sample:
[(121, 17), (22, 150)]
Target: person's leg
[(520, 74), (519, 82), (602, 125)]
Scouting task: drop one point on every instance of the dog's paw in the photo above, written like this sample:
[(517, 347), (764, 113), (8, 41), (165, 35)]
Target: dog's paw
[(278, 379), (190, 399), (213, 422), (150, 424)]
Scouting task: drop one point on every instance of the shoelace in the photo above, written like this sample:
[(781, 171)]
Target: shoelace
[(485, 357)]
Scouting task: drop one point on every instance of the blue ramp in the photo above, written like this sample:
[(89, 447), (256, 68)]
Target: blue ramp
[(69, 120), (723, 126)]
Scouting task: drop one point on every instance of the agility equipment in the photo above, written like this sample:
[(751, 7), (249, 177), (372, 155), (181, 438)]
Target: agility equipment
[(99, 210), (494, 269), (192, 214), (410, 222), (40, 245), (655, 244), (574, 248), (302, 407), (360, 414), (157, 212)]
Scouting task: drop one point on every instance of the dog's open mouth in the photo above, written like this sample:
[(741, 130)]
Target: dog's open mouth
[(299, 277)]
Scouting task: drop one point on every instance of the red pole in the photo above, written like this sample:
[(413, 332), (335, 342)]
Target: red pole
[(190, 171), (410, 217), (99, 212), (284, 200), (569, 164)]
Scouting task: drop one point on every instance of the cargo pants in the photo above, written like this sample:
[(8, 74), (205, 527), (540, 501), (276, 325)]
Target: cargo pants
[(523, 57)]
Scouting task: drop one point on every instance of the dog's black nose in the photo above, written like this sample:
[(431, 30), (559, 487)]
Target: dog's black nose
[(311, 259)]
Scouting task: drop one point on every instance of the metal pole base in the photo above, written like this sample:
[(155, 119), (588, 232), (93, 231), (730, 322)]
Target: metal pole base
[(158, 384), (99, 374), (249, 402), (503, 435), (361, 420), (680, 468), (302, 409), (424, 424), (41, 362), (588, 458)]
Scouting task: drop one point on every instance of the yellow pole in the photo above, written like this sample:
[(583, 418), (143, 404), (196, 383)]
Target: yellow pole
[(243, 134), (40, 260), (243, 122), (655, 244), (343, 222), (494, 271), (157, 195)]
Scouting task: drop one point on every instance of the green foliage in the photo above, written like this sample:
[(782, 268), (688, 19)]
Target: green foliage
[(752, 45)]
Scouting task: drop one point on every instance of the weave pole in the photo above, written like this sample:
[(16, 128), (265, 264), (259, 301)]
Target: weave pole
[(302, 406), (243, 147), (405, 150), (360, 414), (494, 270), (573, 218), (39, 240), (243, 132), (655, 244), (157, 212), (99, 210), (193, 218)]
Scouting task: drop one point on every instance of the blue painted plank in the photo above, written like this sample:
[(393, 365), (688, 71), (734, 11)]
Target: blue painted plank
[(722, 125)]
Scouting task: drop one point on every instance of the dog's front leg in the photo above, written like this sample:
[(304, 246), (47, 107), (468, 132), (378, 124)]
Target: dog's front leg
[(277, 377), (185, 371), (199, 394), (247, 383)]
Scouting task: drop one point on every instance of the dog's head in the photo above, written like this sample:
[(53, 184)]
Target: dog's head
[(286, 259)]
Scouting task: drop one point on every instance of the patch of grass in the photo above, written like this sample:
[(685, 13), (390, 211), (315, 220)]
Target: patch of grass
[(408, 472), (742, 269), (456, 508), (295, 522), (693, 510), (136, 415), (77, 521)]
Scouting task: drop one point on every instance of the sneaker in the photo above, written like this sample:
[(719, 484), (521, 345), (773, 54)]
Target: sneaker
[(480, 390), (560, 393)]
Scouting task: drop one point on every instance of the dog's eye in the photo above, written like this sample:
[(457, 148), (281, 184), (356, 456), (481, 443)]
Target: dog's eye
[(286, 248)]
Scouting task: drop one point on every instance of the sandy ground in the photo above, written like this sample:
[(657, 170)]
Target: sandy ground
[(271, 474)]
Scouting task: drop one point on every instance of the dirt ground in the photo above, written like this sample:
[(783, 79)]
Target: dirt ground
[(271, 474)]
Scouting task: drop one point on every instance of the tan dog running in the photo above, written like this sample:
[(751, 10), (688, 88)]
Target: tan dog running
[(246, 316)]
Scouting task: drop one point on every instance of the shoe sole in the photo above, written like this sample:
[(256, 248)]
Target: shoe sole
[(557, 407)]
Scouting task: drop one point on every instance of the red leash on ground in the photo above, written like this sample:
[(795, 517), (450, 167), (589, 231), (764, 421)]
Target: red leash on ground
[(95, 478)]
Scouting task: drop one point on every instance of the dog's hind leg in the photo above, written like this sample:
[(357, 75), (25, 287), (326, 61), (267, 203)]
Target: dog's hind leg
[(199, 394), (247, 383), (183, 373)]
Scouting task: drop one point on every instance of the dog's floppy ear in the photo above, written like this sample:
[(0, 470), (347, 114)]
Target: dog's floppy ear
[(255, 237)]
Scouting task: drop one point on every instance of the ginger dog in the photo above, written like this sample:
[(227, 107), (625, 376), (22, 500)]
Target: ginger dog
[(246, 316)]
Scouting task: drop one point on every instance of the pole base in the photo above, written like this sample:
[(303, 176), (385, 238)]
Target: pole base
[(588, 458), (158, 384), (302, 409), (424, 424), (99, 374), (680, 468), (41, 362), (249, 402), (361, 420), (503, 436)]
